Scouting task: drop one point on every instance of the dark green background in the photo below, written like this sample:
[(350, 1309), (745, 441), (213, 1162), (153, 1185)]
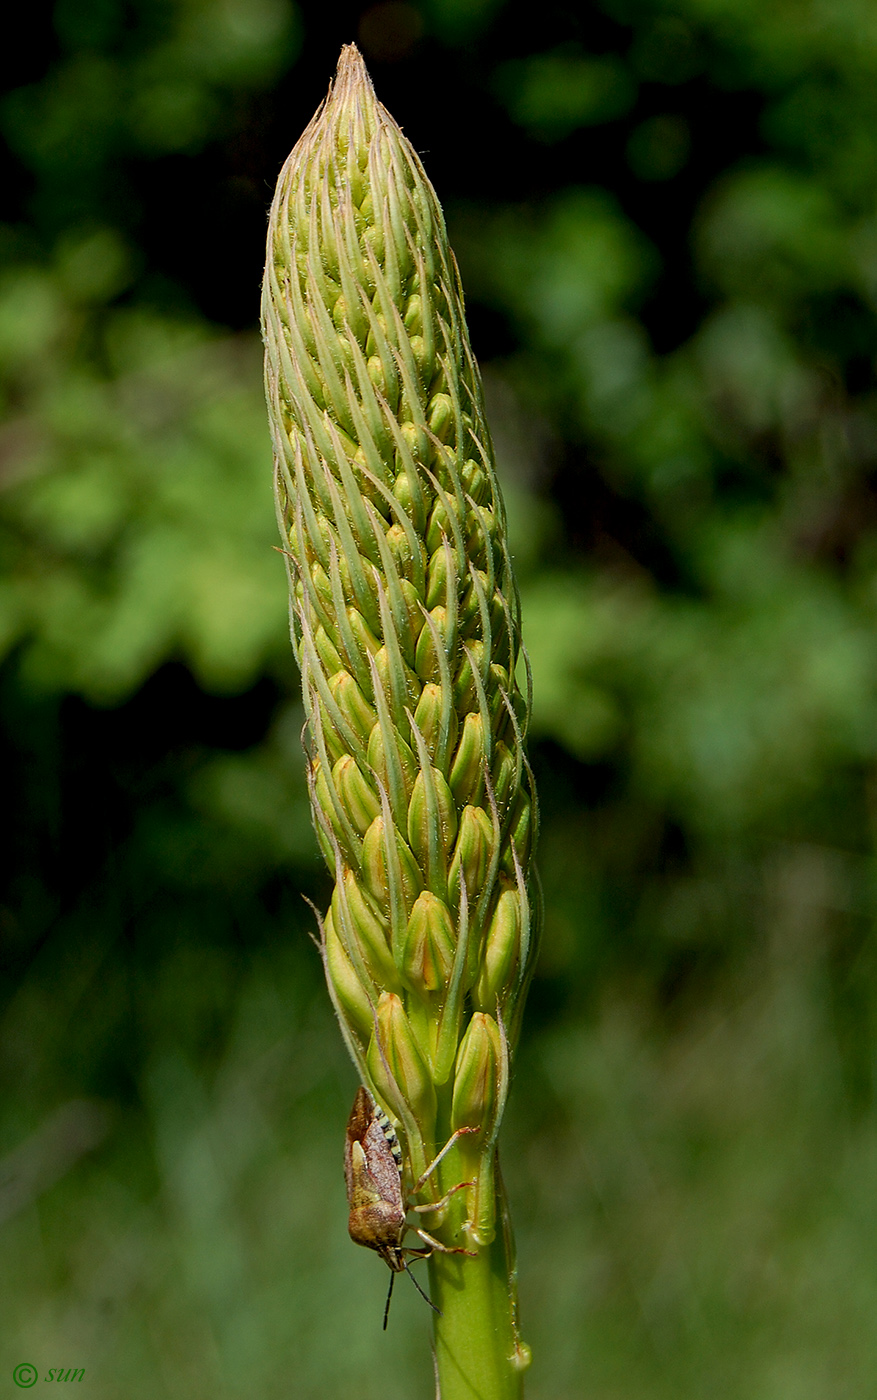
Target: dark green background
[(666, 220)]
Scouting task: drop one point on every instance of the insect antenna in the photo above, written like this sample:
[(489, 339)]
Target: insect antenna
[(424, 1296), (389, 1296), (421, 1292)]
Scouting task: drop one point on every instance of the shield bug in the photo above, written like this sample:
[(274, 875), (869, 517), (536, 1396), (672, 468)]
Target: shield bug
[(378, 1206)]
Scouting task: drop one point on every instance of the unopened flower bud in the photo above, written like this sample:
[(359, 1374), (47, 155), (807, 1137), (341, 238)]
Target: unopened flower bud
[(442, 566), (355, 915), (348, 991), (467, 772), (430, 717), (432, 822), (353, 705), (477, 1074), (428, 950), (472, 854), (426, 662), (398, 682), (504, 773), (397, 764), (393, 1056), (403, 874), (327, 651), (520, 833), (356, 795), (502, 947)]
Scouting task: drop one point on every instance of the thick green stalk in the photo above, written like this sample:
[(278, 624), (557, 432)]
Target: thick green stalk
[(406, 625), (479, 1354)]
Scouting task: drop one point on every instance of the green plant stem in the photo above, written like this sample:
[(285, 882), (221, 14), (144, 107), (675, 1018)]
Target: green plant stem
[(477, 1349)]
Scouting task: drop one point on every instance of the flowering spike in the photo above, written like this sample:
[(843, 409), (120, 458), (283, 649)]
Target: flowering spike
[(406, 625)]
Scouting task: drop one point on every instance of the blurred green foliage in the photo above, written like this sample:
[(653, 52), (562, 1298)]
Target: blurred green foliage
[(666, 221)]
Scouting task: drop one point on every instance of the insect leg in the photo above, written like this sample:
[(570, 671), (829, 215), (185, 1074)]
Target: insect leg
[(439, 1205), (441, 1248), (447, 1147)]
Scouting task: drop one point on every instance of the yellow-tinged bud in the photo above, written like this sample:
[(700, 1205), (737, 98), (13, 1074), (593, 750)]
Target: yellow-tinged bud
[(398, 681), (323, 787), (374, 866), (437, 576), (441, 416), (394, 1049), (352, 704), (349, 993), (377, 757), (521, 832), (426, 662), (502, 947), (357, 796), (504, 773), (439, 526), (355, 915), (465, 689), (477, 1074), (327, 651), (365, 638), (428, 718), (472, 854), (467, 771), (475, 481), (428, 950), (432, 818)]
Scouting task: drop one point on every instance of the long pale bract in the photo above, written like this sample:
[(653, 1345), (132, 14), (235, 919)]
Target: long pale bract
[(405, 622)]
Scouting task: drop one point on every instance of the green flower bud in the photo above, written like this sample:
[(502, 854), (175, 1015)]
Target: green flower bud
[(520, 834), (426, 662), (472, 854), (353, 705), (432, 824), (398, 682), (467, 772), (364, 637), (480, 1088), (465, 686), (348, 991), (400, 879), (477, 1074), (502, 948), (442, 566), (393, 1055), (331, 806), (430, 718), (504, 774), (356, 919), (378, 760), (428, 950), (356, 795), (327, 651)]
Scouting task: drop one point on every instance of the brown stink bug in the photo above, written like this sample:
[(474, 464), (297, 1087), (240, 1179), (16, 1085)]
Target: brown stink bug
[(373, 1171)]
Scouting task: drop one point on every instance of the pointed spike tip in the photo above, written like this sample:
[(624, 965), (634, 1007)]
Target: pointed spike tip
[(351, 79)]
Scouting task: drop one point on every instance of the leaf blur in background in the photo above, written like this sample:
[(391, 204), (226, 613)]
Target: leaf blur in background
[(666, 221)]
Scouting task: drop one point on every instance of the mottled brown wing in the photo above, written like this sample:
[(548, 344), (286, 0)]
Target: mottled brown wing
[(357, 1126)]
